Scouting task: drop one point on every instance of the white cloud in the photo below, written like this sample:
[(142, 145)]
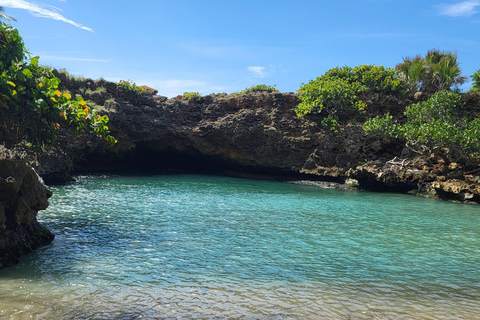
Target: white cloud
[(461, 9), (39, 11), (258, 72)]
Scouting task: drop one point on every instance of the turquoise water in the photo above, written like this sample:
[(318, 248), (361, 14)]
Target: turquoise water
[(208, 247)]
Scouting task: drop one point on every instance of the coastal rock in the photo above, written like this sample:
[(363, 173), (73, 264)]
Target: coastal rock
[(22, 195), (459, 190), (257, 132)]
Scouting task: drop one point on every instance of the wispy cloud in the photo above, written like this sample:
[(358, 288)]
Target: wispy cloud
[(461, 9), (258, 72), (40, 11)]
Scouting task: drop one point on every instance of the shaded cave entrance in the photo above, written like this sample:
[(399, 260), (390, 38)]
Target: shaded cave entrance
[(145, 160)]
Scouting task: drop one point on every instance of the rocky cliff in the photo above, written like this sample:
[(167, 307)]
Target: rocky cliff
[(260, 133), (22, 195)]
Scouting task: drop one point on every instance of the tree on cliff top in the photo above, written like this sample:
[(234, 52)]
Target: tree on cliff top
[(437, 71), (31, 106)]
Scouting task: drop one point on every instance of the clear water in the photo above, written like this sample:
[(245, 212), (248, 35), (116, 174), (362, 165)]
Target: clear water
[(205, 247)]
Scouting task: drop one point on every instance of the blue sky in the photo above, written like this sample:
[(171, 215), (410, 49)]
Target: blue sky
[(212, 46)]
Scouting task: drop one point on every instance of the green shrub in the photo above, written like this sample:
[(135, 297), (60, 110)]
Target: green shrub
[(130, 86), (192, 96), (435, 125), (338, 90), (31, 106), (329, 95), (258, 88), (370, 78)]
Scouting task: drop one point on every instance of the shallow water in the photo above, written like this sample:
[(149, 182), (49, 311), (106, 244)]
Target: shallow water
[(192, 246)]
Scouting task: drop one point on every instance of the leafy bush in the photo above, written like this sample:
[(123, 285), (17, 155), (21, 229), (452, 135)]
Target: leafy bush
[(370, 78), (338, 90), (12, 47), (130, 86), (192, 95), (439, 70), (31, 106), (258, 88), (435, 125)]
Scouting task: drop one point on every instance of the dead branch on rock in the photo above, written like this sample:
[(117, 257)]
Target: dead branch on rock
[(398, 162)]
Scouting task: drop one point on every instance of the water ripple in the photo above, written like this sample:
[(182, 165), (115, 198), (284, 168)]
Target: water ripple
[(188, 247)]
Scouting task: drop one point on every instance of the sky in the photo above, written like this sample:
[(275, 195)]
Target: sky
[(214, 46)]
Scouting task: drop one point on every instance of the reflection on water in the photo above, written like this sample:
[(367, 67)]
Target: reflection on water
[(183, 247)]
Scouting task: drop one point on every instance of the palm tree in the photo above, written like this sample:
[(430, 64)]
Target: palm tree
[(4, 16), (412, 71), (444, 70), (439, 70)]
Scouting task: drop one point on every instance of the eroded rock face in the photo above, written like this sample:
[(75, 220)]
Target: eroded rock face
[(260, 132), (252, 131), (22, 195)]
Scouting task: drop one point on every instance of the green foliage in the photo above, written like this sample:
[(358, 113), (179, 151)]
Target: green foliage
[(130, 86), (31, 106), (369, 78), (193, 96), (439, 70), (437, 124), (258, 88), (476, 81), (338, 90), (12, 47)]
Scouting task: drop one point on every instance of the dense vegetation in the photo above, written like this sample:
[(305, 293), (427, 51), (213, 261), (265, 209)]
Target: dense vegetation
[(32, 108), (438, 125), (338, 91)]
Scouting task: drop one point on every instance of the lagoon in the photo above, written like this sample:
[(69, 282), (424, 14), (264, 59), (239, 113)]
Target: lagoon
[(212, 247)]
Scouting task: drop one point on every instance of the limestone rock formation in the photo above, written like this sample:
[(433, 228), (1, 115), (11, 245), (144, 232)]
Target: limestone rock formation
[(22, 195), (260, 133)]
